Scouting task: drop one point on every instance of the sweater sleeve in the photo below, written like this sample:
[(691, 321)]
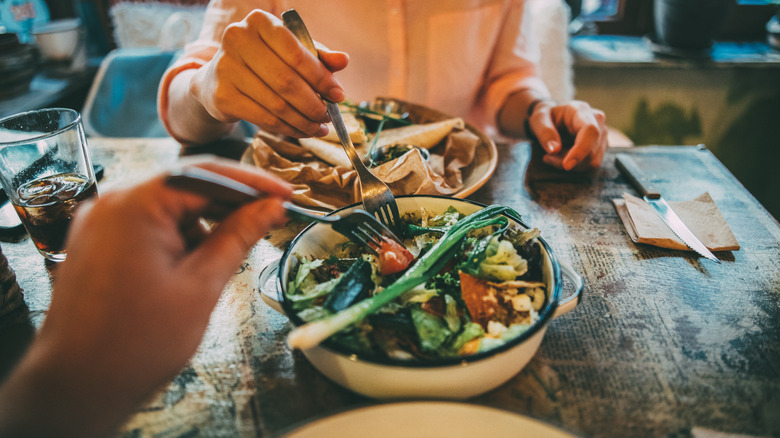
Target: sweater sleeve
[(512, 66), (218, 16)]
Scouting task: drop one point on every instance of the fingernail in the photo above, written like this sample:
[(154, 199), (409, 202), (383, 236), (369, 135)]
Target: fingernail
[(323, 131), (335, 94), (552, 145)]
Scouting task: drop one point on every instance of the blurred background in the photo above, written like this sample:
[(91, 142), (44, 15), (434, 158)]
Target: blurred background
[(714, 81), (666, 72)]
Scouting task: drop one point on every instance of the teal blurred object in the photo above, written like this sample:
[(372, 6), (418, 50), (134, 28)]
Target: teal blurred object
[(122, 101), (20, 16), (91, 14)]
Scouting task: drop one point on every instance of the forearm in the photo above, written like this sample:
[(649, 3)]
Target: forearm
[(49, 394), (187, 119)]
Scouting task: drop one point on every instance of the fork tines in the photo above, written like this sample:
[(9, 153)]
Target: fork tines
[(391, 218), (362, 228), (369, 237), (371, 231)]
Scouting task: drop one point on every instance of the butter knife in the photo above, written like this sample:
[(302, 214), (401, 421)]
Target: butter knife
[(630, 169)]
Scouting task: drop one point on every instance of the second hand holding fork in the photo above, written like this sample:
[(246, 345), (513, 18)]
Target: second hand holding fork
[(378, 199), (228, 194)]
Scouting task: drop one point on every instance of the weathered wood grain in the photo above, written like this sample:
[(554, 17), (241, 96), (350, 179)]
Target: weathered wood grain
[(662, 344)]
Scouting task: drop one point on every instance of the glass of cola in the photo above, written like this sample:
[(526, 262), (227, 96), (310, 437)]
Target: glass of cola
[(46, 171)]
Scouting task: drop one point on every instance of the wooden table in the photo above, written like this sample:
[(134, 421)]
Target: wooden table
[(663, 344)]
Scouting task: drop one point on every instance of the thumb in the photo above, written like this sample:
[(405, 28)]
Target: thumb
[(332, 59)]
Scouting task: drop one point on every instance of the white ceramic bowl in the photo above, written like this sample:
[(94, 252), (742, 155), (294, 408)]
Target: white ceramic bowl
[(450, 378), (58, 39)]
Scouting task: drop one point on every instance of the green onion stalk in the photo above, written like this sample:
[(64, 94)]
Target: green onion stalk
[(311, 334), (362, 110), (371, 150)]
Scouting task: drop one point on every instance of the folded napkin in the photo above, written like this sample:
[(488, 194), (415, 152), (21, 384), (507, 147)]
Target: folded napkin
[(701, 215)]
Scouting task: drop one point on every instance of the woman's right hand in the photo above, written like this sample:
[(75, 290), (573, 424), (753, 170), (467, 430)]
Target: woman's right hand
[(263, 75)]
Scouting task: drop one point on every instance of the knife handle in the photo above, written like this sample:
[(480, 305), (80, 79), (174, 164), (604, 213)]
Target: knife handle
[(629, 168)]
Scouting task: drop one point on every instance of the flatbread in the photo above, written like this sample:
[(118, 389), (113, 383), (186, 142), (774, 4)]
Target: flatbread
[(426, 135), (320, 184), (355, 129), (329, 152)]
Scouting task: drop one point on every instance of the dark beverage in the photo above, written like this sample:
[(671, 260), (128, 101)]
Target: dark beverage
[(46, 206)]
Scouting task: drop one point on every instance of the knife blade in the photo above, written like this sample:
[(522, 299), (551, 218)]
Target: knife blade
[(629, 168)]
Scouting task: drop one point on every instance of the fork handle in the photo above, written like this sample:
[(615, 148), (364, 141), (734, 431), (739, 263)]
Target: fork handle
[(217, 187), (303, 214), (229, 192), (346, 141), (294, 23)]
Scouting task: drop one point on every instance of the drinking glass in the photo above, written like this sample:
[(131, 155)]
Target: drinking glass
[(46, 171)]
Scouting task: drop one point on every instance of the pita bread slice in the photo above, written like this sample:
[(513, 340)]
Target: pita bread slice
[(425, 135), (329, 152), (355, 129)]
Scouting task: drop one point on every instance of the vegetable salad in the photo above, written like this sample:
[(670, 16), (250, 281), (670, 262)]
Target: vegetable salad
[(472, 283)]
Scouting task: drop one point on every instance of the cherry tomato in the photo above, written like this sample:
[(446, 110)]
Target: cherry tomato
[(393, 257)]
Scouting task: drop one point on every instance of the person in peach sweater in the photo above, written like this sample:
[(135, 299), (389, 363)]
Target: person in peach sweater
[(468, 58)]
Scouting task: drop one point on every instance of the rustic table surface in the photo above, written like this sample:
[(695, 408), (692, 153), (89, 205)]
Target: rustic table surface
[(663, 344)]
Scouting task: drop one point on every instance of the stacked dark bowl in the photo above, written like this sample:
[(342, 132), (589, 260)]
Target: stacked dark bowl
[(18, 63)]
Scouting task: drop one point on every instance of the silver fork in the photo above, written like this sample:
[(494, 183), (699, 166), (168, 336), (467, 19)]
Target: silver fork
[(377, 197), (229, 194)]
